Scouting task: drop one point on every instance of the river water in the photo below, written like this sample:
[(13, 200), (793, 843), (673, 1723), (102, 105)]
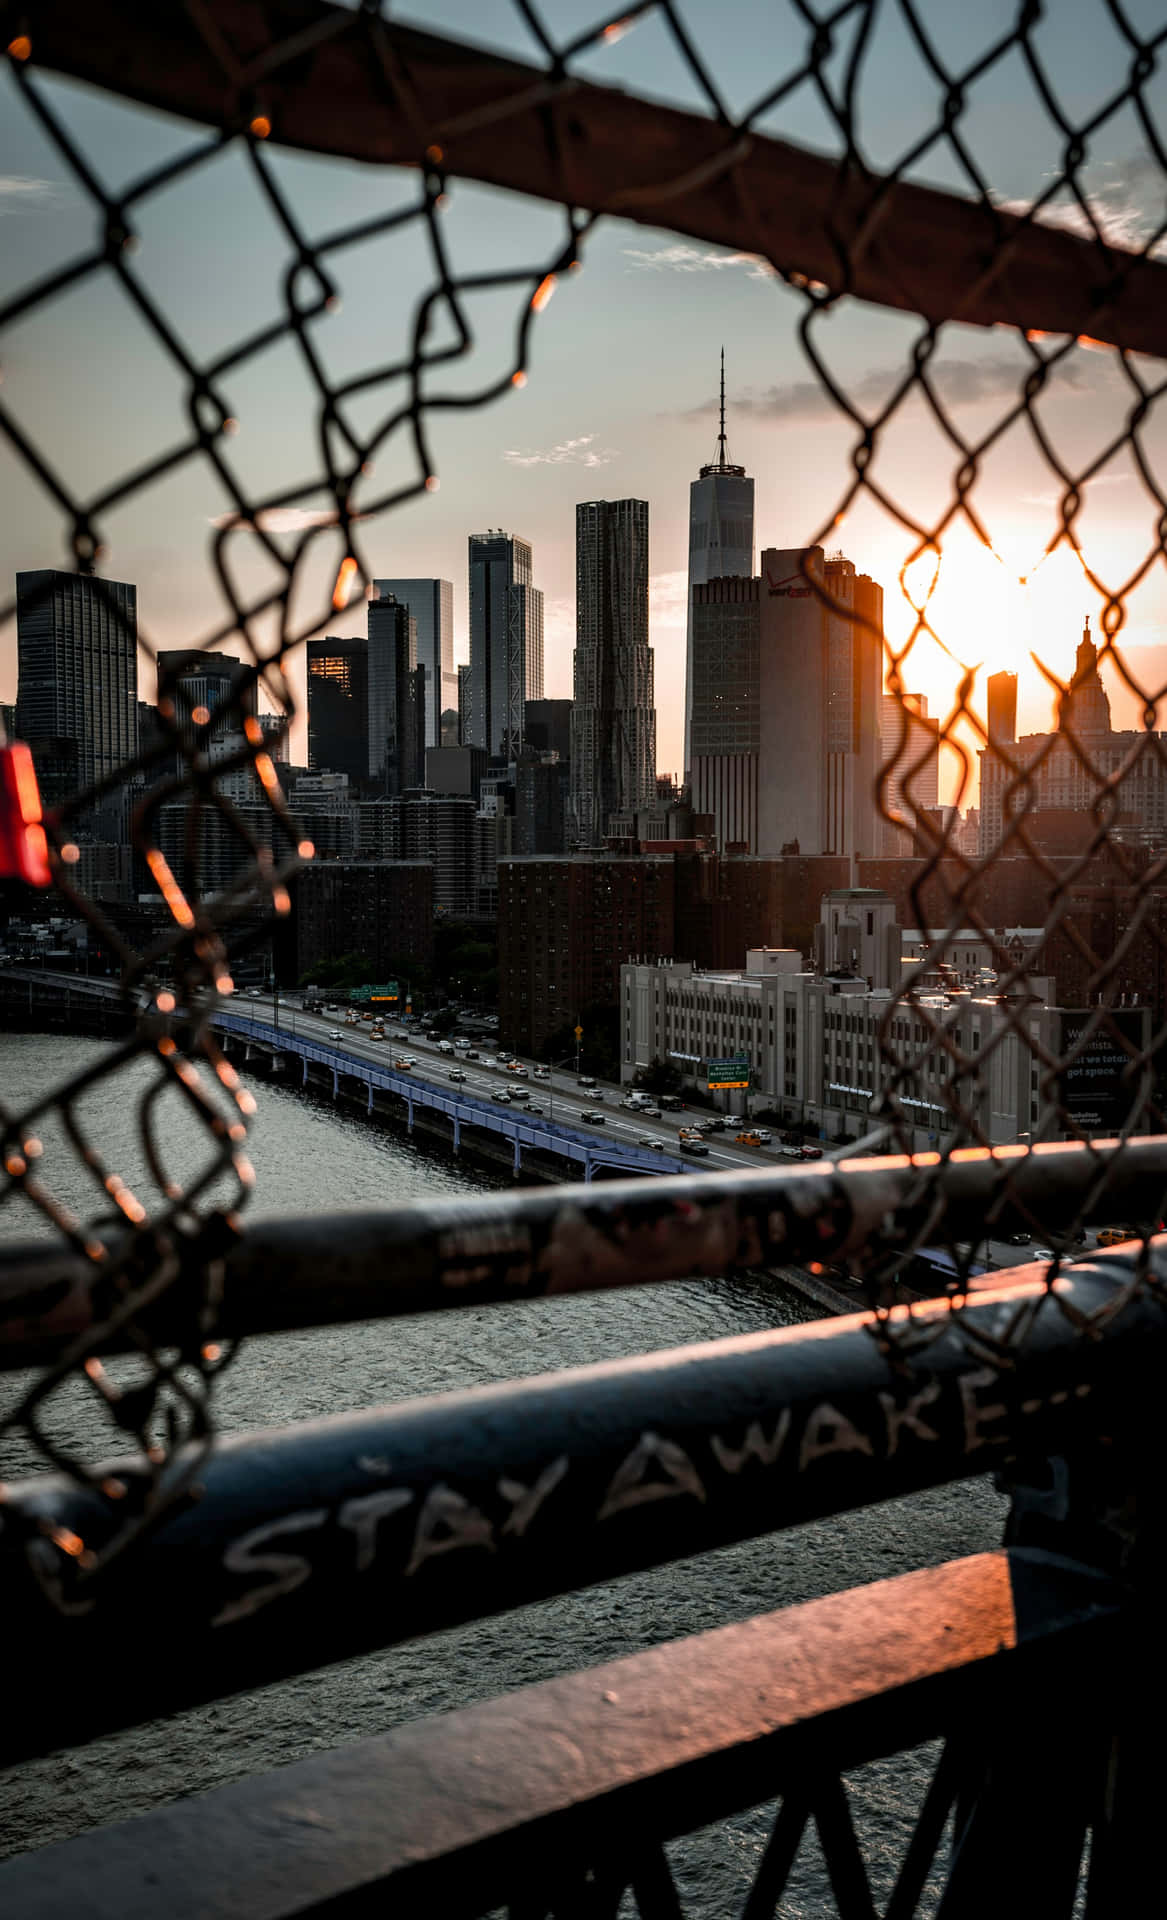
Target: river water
[(308, 1157)]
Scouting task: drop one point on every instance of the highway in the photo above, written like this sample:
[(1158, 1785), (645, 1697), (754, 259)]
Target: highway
[(569, 1103)]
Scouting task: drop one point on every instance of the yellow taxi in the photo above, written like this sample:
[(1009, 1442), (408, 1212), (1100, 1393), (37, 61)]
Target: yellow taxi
[(748, 1139), (1113, 1236)]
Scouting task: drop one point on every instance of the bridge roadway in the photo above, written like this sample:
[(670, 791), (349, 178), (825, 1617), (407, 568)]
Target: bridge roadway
[(559, 1100), (372, 1064), (308, 1037)]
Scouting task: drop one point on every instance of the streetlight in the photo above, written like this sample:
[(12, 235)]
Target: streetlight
[(565, 1062)]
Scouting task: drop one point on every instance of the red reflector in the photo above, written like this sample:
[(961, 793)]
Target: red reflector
[(24, 851)]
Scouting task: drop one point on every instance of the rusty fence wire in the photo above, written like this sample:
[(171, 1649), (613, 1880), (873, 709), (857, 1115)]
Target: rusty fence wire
[(1058, 868)]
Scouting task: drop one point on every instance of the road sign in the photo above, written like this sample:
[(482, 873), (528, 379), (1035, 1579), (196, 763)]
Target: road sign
[(579, 1033), (364, 996), (727, 1073)]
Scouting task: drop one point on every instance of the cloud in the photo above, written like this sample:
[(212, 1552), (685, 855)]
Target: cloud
[(1118, 192), (282, 519), (580, 452), (684, 259), (957, 383), (21, 193)]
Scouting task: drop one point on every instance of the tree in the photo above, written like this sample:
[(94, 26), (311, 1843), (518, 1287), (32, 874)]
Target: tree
[(660, 1076)]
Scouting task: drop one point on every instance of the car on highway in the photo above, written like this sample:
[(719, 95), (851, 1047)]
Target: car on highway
[(455, 1073), (593, 1118), (501, 1096), (650, 1113), (748, 1138), (334, 1033), (764, 1135), (802, 1153), (542, 1073), (472, 1053), (488, 1060), (1113, 1236), (585, 1080), (1019, 1240), (520, 1093), (709, 1126), (735, 1120), (695, 1146), (650, 1140), (403, 1064), (518, 1069), (534, 1107)]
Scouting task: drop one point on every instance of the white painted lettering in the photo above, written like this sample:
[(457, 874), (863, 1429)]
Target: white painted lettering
[(289, 1570), (829, 1431), (363, 1516), (977, 1416), (755, 1446), (526, 1501), (629, 1487), (909, 1416), (448, 1520)]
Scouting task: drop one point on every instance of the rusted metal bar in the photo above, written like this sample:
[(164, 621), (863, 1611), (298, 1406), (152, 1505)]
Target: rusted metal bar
[(327, 1269), (519, 1796), (309, 1544), (334, 80)]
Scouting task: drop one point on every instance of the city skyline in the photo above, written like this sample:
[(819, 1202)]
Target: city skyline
[(641, 421)]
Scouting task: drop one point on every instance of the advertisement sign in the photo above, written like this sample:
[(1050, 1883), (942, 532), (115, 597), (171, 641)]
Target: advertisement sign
[(1092, 1087), (727, 1073)]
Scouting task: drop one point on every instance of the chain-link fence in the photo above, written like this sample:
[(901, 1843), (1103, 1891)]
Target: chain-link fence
[(1063, 879)]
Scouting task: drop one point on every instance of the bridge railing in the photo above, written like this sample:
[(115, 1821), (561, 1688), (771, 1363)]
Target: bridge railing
[(284, 1551)]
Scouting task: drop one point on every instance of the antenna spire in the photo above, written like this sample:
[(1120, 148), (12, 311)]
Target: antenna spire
[(721, 453)]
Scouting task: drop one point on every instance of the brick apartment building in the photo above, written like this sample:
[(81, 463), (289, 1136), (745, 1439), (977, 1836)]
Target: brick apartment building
[(382, 909), (565, 924)]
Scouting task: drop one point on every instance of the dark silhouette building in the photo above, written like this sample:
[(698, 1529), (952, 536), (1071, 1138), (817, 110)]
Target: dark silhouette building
[(338, 706), (77, 664), (396, 697), (613, 722), (547, 727)]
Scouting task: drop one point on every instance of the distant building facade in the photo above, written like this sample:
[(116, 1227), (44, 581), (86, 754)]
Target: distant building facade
[(1042, 780), (396, 697), (565, 924), (77, 667), (613, 721), (380, 909), (338, 706), (721, 542), (431, 605), (506, 641)]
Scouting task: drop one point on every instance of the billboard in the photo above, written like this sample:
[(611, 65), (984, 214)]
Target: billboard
[(1092, 1087), (727, 1073)]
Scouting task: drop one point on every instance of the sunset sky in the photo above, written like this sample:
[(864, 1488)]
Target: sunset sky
[(623, 372)]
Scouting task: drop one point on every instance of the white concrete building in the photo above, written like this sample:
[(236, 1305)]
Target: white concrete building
[(825, 1047)]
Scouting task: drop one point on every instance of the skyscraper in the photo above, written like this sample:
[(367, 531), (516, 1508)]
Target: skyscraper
[(465, 704), (1002, 700), (431, 602), (77, 654), (199, 681), (506, 641), (396, 697), (613, 722), (338, 706), (721, 539), (726, 716), (820, 687), (910, 749)]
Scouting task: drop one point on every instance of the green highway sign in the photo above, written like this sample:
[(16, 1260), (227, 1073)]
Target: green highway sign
[(727, 1073), (366, 996)]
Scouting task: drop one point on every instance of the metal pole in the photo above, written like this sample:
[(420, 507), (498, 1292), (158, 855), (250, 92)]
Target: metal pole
[(311, 1543), (328, 1269)]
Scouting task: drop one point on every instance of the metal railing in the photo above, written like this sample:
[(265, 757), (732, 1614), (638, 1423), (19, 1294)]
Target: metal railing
[(296, 1548)]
